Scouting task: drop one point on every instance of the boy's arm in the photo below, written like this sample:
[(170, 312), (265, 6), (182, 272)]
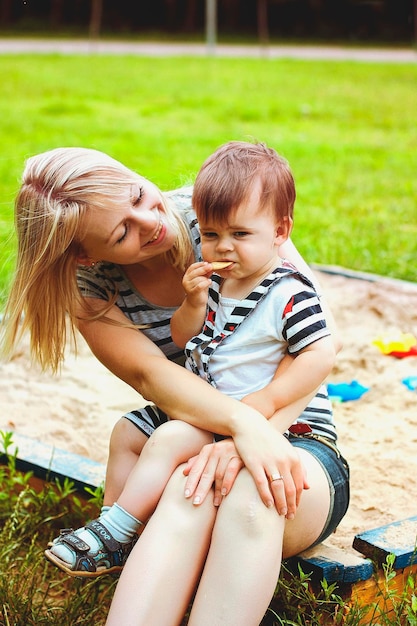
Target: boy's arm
[(295, 382), (188, 319), (289, 251)]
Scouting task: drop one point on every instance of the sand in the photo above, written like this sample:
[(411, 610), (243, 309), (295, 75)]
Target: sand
[(377, 433)]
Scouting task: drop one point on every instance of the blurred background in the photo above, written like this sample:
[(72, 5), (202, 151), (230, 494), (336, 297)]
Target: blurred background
[(348, 127), (347, 20)]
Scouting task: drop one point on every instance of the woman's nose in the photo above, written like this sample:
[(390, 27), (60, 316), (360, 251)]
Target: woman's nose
[(145, 220)]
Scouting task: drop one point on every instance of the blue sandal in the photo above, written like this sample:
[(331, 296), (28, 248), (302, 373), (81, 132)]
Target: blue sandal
[(110, 558)]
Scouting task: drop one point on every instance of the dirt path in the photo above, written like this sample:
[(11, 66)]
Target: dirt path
[(86, 46)]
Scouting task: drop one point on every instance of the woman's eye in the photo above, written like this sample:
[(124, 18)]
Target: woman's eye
[(137, 199), (123, 237)]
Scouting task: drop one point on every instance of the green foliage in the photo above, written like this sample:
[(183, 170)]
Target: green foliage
[(348, 130), (298, 603), (402, 604), (295, 604), (32, 591)]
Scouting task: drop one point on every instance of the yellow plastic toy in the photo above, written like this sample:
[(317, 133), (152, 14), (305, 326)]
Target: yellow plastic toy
[(403, 344)]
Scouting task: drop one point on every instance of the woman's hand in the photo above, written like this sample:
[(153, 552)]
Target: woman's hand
[(275, 466), (268, 455), (217, 462)]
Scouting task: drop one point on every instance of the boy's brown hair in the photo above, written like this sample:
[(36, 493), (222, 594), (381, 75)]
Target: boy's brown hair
[(226, 179)]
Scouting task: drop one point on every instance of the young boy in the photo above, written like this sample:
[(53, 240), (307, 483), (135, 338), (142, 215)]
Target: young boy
[(255, 330)]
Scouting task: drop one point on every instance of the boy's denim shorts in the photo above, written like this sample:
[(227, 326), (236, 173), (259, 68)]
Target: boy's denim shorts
[(336, 469)]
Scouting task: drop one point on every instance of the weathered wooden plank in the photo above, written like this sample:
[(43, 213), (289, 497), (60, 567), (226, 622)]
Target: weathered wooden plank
[(48, 462), (333, 564), (398, 538)]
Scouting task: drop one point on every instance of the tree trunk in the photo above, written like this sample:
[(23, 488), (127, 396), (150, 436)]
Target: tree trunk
[(415, 21), (263, 31), (95, 18), (56, 14), (6, 12)]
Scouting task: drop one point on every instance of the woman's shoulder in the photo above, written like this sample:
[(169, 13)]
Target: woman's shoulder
[(181, 197), (104, 279)]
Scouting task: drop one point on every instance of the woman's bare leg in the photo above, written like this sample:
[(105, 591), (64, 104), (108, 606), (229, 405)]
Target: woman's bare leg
[(163, 569), (243, 564), (244, 560), (313, 510)]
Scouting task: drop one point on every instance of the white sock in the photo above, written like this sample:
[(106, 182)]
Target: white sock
[(118, 522)]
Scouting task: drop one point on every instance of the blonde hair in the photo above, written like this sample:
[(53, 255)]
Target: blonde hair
[(58, 188)]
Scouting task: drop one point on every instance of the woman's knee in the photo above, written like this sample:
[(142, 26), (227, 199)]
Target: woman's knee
[(245, 509)]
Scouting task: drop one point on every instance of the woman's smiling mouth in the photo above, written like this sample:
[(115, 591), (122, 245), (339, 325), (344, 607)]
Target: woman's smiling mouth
[(157, 234)]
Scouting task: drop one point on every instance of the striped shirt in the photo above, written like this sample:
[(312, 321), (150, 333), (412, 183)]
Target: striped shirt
[(105, 279), (243, 341)]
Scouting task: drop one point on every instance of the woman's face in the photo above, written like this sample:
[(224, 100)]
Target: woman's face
[(132, 232)]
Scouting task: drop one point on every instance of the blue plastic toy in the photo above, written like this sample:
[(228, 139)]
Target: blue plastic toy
[(410, 382), (346, 391)]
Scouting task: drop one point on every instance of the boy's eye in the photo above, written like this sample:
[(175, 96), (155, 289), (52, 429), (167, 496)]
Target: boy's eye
[(209, 235), (240, 233)]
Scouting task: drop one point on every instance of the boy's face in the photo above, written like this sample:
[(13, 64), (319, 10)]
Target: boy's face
[(249, 240)]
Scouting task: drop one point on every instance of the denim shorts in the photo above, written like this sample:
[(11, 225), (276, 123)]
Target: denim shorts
[(148, 418), (336, 469)]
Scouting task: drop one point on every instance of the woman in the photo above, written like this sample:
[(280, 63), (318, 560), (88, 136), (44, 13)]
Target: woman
[(79, 212)]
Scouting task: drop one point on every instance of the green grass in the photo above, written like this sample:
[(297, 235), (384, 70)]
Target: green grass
[(348, 129), (34, 593)]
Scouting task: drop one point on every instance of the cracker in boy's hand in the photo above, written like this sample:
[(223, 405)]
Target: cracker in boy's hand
[(220, 265)]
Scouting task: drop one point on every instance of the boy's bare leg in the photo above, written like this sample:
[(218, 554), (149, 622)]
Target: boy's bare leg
[(171, 444), (88, 550), (126, 444)]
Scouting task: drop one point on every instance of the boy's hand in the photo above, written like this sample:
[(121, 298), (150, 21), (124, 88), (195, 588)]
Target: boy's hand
[(196, 282)]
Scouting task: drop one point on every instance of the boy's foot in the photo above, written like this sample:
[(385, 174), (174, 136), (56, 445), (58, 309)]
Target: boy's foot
[(107, 556)]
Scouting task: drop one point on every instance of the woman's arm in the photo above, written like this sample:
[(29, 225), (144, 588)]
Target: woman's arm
[(182, 395), (135, 359)]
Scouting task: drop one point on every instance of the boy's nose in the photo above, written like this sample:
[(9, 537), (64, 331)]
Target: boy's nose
[(224, 244)]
